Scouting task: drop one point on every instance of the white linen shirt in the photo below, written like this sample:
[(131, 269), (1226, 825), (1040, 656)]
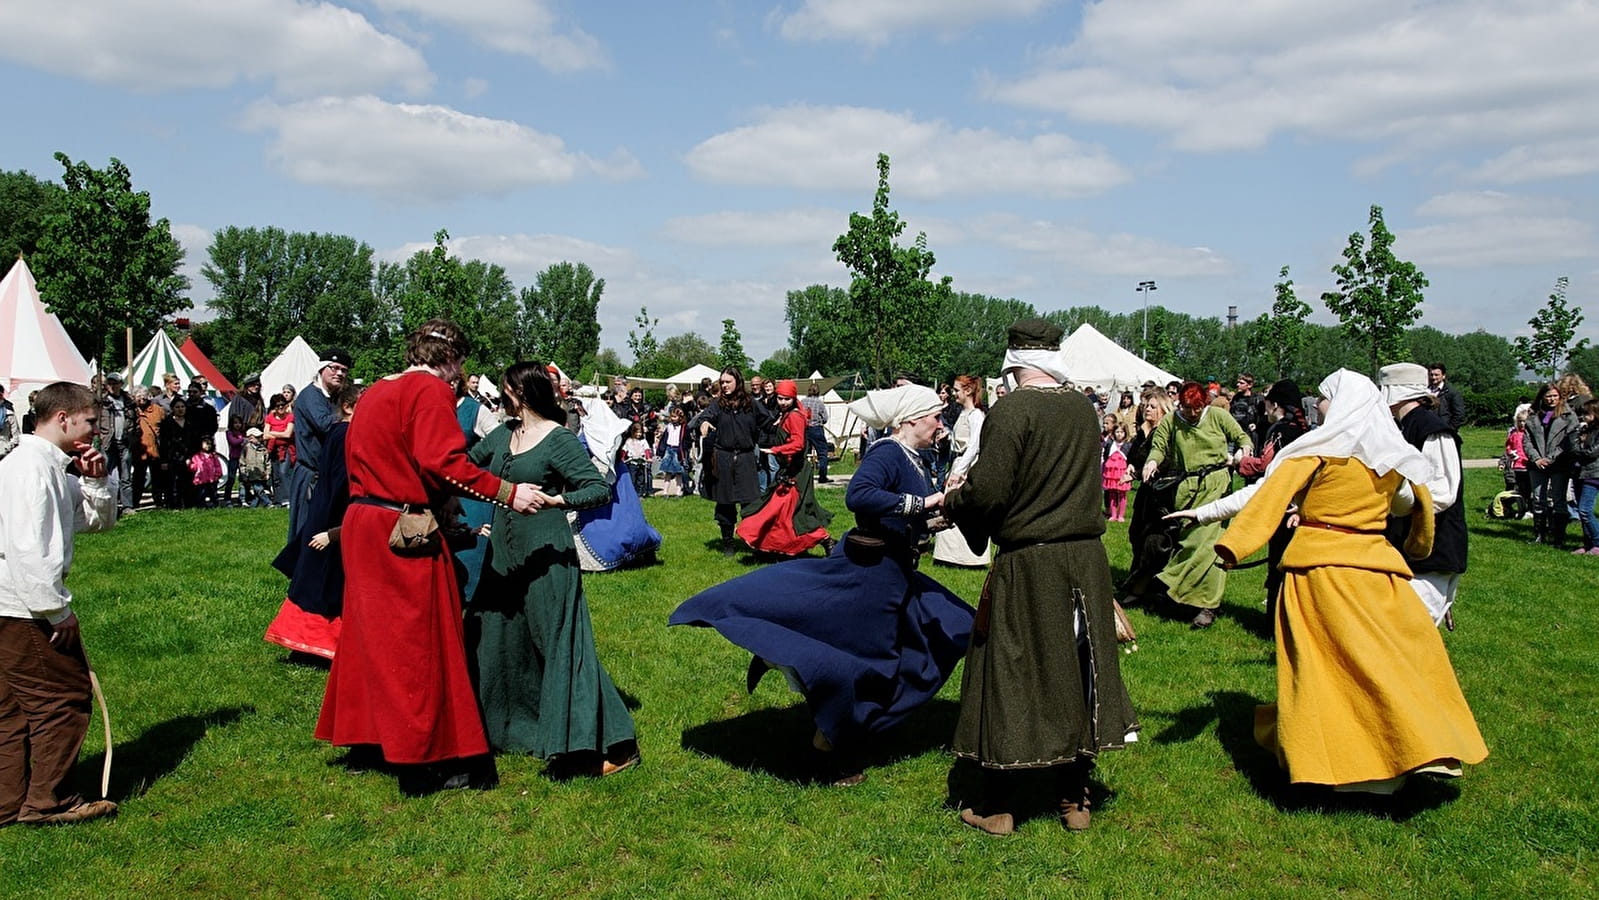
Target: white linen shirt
[(41, 508)]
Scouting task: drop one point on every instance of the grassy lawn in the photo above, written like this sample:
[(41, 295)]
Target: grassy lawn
[(1477, 442), (225, 794)]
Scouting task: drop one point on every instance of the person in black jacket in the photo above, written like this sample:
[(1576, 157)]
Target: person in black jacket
[(1437, 577), (737, 420), (1451, 406)]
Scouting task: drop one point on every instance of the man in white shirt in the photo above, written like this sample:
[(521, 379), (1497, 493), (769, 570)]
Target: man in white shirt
[(51, 486)]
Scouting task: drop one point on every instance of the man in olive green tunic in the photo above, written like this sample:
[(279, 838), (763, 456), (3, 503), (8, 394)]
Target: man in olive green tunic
[(1042, 689)]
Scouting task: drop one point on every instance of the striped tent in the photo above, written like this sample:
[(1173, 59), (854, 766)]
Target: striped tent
[(219, 382), (34, 348), (159, 357)]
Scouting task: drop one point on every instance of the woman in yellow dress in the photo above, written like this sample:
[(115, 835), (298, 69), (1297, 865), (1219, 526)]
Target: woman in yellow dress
[(1365, 691)]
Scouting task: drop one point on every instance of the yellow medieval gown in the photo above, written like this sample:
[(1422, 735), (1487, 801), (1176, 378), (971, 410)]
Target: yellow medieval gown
[(1365, 689)]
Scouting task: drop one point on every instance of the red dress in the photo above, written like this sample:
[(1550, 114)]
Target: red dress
[(400, 679), (789, 521)]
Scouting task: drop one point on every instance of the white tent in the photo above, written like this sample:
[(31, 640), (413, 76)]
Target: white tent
[(296, 365), (688, 379), (34, 347), (1096, 361)]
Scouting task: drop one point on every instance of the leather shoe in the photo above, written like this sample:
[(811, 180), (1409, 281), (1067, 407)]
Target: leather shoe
[(82, 811), (999, 824), (1205, 619)]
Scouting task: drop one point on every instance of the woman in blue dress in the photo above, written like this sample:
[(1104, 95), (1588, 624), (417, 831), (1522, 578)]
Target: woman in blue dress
[(863, 635), (614, 534)]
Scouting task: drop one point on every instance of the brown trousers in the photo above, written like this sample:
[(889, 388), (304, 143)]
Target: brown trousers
[(44, 715)]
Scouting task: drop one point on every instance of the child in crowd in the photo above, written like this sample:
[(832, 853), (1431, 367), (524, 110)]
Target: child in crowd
[(206, 469), (672, 454), (255, 470), (236, 438), (1516, 459), (52, 484), (636, 453), (1116, 477)]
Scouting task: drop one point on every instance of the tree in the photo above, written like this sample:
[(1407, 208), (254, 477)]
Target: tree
[(641, 341), (894, 307), (731, 354), (976, 326), (102, 264), (682, 351), (822, 331), (1280, 334), (779, 365), (475, 295), (1552, 330), (1378, 296), (560, 316), (25, 203)]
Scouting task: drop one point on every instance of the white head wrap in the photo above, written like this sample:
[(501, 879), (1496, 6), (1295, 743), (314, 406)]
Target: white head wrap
[(889, 408), (1403, 381), (1358, 426), (1050, 361), (604, 431)]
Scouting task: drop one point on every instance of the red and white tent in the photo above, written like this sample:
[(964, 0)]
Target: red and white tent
[(192, 352), (34, 347)]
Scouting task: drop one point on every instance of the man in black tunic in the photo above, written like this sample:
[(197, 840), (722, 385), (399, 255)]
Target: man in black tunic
[(1042, 689)]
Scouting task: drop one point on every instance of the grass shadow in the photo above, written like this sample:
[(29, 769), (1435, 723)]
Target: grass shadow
[(1234, 712), (139, 763), (777, 741)]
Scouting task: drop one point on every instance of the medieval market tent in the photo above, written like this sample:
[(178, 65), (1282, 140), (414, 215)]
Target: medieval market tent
[(159, 357), (34, 347), (192, 352), (1096, 361), (688, 379), (296, 365)]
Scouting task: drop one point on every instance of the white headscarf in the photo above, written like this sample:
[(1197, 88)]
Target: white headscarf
[(1403, 381), (1358, 426), (1050, 361), (604, 431), (889, 408)]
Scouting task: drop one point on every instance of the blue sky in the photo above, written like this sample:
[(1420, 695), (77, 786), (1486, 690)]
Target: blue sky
[(703, 156)]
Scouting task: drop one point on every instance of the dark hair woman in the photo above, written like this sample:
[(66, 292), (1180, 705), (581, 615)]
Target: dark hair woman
[(400, 679), (540, 682), (1551, 433), (738, 423)]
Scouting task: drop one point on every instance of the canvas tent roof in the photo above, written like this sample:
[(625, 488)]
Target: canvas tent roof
[(34, 347), (192, 352), (1093, 360), (688, 379), (296, 365), (159, 357)]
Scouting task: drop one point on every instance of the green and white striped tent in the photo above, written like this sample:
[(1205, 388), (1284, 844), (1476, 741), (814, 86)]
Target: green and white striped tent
[(159, 357)]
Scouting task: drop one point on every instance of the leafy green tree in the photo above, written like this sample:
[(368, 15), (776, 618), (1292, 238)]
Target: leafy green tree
[(1280, 334), (976, 326), (1379, 295), (475, 295), (1485, 362), (102, 264), (780, 365), (25, 203), (822, 330), (560, 316), (1585, 362), (605, 362), (642, 344), (893, 304), (1553, 328), (680, 351), (731, 354)]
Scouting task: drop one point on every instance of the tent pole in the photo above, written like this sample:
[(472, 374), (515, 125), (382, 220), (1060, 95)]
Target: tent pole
[(129, 340)]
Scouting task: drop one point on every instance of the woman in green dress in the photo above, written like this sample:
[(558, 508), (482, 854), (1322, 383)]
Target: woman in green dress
[(539, 680)]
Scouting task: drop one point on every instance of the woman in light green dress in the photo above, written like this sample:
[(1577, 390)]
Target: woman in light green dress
[(539, 680)]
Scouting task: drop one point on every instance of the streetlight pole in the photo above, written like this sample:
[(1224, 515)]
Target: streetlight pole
[(1144, 287)]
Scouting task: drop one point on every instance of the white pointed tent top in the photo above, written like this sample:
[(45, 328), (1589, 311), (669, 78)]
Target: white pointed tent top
[(159, 357), (34, 347), (1096, 361), (296, 365)]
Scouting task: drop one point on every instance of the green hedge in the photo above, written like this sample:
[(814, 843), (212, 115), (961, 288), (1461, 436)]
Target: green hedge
[(1493, 407)]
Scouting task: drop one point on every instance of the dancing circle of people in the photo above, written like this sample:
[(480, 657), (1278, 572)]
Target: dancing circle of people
[(436, 557)]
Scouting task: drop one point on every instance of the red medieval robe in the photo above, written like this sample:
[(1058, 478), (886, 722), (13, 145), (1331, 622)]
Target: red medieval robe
[(400, 678), (786, 522)]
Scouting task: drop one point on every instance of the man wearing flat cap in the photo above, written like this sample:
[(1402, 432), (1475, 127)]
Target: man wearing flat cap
[(116, 429), (314, 416), (1042, 689)]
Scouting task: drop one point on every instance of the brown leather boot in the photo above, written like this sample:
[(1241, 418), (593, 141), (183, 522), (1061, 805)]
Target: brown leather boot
[(1074, 814), (999, 824), (1074, 804)]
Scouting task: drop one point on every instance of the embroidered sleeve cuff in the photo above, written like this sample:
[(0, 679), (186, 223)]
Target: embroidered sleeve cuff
[(505, 494), (910, 505)]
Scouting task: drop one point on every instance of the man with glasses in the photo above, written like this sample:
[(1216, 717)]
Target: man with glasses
[(314, 416)]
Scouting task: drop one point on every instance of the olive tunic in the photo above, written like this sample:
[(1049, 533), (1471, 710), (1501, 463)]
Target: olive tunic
[(539, 680), (1191, 578), (1032, 694), (1365, 690)]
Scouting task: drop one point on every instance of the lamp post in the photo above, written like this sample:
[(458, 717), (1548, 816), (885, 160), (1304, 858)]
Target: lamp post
[(1144, 287)]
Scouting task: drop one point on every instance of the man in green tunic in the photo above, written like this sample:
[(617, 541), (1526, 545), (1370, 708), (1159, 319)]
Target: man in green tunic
[(1042, 689)]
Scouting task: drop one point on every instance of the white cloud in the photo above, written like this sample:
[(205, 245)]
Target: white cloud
[(153, 45), (1550, 159), (836, 147), (195, 241), (1486, 203), (474, 87), (1080, 250), (413, 152), (1494, 240), (1415, 73), (524, 27), (768, 229), (873, 22)]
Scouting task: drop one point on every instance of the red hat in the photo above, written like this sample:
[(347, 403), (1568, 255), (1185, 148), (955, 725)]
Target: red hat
[(786, 388)]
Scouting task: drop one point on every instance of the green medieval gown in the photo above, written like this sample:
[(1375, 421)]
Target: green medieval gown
[(539, 679)]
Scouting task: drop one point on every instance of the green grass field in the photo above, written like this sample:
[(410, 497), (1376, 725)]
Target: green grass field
[(225, 794)]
